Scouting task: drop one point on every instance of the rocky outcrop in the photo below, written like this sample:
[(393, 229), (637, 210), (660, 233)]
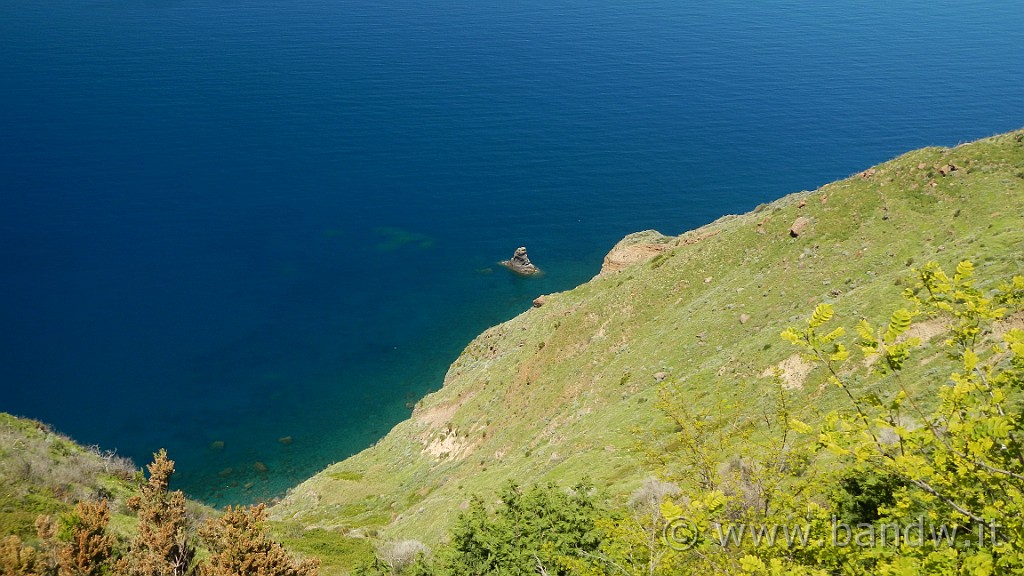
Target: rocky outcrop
[(520, 263), (799, 226), (635, 248)]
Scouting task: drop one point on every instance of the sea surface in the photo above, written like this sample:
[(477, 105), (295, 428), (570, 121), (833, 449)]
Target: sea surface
[(273, 224)]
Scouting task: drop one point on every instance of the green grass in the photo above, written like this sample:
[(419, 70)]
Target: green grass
[(338, 554)]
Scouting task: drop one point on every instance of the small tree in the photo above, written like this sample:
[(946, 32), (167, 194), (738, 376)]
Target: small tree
[(631, 542), (16, 559), (533, 531), (239, 547), (89, 548), (163, 546), (953, 452)]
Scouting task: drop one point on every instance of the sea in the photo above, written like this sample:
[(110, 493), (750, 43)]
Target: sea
[(257, 232)]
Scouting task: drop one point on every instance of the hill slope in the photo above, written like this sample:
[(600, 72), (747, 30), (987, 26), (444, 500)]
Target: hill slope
[(559, 392), (44, 472)]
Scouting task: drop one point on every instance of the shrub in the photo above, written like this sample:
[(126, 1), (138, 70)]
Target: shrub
[(164, 544), (402, 554), (89, 548), (239, 545), (533, 531), (16, 559)]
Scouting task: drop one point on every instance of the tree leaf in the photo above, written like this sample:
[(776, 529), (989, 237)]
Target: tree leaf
[(898, 324), (822, 313)]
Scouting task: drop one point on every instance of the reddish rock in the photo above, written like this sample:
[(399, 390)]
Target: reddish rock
[(635, 249)]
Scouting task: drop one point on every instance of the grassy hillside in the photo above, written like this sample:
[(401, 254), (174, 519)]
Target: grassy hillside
[(68, 509), (562, 391), (44, 472)]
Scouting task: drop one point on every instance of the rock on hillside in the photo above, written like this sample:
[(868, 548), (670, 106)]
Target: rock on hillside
[(635, 248)]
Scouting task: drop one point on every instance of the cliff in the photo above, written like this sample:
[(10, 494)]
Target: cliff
[(561, 391)]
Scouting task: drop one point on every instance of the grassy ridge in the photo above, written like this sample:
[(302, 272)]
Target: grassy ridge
[(44, 472), (563, 391)]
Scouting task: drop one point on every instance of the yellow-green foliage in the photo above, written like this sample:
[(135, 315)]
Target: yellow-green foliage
[(954, 445), (952, 449), (942, 457)]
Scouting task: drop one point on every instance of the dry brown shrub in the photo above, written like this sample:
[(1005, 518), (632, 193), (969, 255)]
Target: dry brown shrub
[(16, 559), (239, 546), (89, 548), (163, 545)]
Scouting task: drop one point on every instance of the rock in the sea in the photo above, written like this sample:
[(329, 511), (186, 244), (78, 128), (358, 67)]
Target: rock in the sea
[(799, 226), (286, 440), (260, 467), (520, 263)]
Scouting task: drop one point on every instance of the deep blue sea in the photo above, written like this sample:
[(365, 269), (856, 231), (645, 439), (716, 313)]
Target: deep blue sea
[(242, 220)]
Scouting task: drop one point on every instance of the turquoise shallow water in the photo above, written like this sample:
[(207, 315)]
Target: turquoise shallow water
[(241, 221)]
